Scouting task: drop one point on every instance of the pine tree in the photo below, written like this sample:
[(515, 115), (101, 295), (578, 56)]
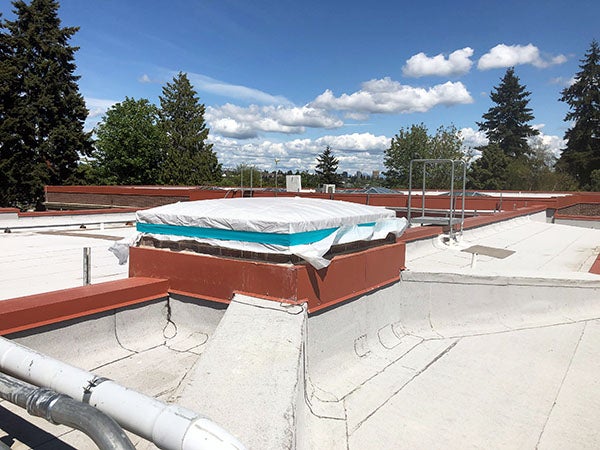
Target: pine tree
[(326, 168), (582, 155), (506, 123), (41, 132), (190, 159)]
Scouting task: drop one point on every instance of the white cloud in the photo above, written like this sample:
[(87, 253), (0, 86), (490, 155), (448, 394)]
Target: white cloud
[(144, 79), (389, 96), (97, 107), (475, 138), (553, 143), (562, 81), (457, 63), (357, 151), (512, 55), (355, 142), (208, 84), (246, 122)]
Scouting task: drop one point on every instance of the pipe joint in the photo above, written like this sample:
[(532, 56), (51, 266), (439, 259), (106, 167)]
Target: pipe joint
[(39, 403)]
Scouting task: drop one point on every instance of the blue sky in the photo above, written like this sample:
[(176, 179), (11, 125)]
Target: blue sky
[(282, 79)]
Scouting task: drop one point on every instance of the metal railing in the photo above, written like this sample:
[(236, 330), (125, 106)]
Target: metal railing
[(451, 218)]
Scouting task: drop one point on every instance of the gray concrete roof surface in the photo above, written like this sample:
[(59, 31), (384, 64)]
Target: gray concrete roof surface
[(501, 354)]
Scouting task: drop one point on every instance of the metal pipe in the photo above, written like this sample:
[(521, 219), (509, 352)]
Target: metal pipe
[(87, 266), (169, 427), (61, 409)]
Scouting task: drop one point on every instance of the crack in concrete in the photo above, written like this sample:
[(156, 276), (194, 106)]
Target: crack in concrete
[(417, 374), (562, 382)]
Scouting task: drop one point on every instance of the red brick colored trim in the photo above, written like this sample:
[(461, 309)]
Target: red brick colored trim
[(77, 212), (24, 313), (596, 266), (217, 279), (576, 217), (9, 210), (417, 233)]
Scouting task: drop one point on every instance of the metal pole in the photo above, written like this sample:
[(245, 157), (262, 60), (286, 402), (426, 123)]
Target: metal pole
[(408, 212), (423, 191), (87, 266), (276, 161), (452, 201)]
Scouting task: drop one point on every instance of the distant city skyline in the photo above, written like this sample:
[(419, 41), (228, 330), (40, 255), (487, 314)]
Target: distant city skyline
[(282, 80)]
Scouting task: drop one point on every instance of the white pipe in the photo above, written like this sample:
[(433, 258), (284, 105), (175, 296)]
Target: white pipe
[(169, 427)]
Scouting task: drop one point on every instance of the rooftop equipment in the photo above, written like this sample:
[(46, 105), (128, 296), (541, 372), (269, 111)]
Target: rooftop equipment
[(304, 227)]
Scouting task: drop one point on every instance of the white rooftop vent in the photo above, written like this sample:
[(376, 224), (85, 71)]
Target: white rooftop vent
[(293, 183)]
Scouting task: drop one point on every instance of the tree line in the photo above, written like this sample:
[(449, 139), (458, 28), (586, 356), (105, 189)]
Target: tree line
[(43, 140), (513, 159), (42, 116)]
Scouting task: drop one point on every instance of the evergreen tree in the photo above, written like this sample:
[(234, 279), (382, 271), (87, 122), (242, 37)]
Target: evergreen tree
[(190, 159), (326, 168), (506, 123), (129, 144), (489, 171), (582, 155), (41, 131)]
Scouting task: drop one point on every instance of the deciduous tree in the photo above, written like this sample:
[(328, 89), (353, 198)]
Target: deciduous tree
[(129, 146), (581, 158), (416, 143)]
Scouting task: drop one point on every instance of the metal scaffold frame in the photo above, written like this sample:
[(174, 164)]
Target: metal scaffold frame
[(451, 218)]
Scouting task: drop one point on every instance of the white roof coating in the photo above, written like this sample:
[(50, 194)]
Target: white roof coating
[(463, 352), (48, 258), (541, 249)]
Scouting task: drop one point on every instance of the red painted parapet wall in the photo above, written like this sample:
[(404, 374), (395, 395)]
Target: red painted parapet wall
[(147, 196), (218, 278), (24, 313)]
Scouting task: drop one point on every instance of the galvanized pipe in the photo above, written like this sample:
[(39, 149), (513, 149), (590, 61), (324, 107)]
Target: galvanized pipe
[(169, 427), (62, 409)]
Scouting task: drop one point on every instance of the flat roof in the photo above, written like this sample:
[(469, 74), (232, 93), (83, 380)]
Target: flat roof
[(46, 253), (541, 250), (493, 347)]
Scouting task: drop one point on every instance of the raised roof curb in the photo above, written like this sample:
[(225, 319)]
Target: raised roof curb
[(23, 313)]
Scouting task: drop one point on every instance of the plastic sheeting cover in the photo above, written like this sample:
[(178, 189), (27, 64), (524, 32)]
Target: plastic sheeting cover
[(299, 226)]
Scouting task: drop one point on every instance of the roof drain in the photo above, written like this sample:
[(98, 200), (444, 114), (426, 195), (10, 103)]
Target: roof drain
[(62, 409), (169, 427)]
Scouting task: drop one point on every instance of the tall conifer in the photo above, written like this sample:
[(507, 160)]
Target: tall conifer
[(190, 159), (41, 134), (326, 168), (506, 123), (581, 158)]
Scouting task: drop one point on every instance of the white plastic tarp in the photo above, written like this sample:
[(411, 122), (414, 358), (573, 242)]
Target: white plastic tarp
[(300, 226)]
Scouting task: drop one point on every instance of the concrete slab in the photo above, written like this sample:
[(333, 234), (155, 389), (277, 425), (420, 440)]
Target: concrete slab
[(248, 378), (493, 391)]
